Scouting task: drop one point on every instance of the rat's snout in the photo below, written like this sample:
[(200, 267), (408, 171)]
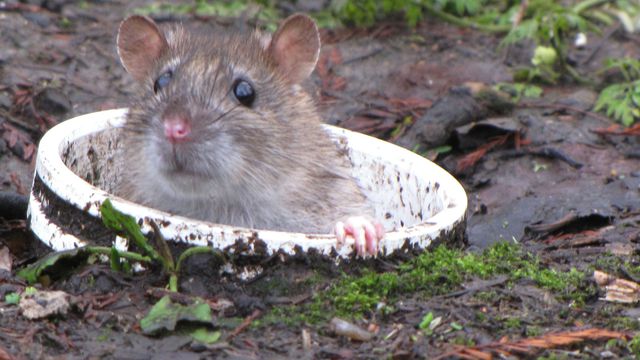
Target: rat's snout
[(177, 128)]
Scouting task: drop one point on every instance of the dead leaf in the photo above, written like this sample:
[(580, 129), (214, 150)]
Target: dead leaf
[(470, 159), (530, 346), (5, 259)]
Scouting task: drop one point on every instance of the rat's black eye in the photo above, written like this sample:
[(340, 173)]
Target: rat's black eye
[(244, 92), (162, 81)]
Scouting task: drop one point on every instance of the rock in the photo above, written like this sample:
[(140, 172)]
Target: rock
[(52, 101), (583, 100), (5, 100), (433, 129), (44, 303), (41, 19)]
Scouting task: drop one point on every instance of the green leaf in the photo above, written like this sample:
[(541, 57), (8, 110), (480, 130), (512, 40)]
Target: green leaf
[(33, 272), (205, 335), (544, 55), (114, 259), (126, 225), (12, 298), (426, 321), (165, 315), (619, 101), (29, 290)]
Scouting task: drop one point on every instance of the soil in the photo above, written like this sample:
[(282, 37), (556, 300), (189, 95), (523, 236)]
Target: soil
[(565, 192)]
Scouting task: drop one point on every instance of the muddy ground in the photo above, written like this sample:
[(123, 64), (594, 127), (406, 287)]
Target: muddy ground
[(553, 184)]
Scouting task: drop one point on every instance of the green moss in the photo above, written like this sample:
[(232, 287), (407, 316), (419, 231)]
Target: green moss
[(634, 346), (533, 331), (624, 323), (487, 297), (433, 273), (512, 323)]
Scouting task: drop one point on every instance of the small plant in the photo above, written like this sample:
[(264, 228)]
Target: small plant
[(622, 101), (126, 226)]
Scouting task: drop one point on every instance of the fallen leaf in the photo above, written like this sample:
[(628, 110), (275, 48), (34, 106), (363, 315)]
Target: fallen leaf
[(529, 346), (5, 259), (165, 315)]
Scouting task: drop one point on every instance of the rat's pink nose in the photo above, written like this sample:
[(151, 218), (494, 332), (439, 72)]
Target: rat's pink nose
[(177, 129)]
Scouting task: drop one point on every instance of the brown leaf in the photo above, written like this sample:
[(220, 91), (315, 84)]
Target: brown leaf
[(530, 346), (470, 159), (5, 259)]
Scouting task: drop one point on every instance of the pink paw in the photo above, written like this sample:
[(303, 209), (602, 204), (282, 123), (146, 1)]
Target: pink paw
[(365, 233)]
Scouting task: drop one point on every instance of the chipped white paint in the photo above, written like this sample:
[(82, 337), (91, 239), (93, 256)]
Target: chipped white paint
[(412, 195)]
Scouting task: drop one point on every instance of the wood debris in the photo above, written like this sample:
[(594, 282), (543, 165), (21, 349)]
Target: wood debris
[(530, 346), (616, 289)]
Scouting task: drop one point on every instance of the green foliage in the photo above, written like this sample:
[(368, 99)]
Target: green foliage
[(12, 298), (165, 315), (443, 270), (265, 11), (366, 12), (32, 273), (517, 91), (426, 321), (126, 225), (621, 101), (461, 7), (206, 336), (634, 346)]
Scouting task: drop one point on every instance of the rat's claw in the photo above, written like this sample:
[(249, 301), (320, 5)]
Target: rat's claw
[(366, 234)]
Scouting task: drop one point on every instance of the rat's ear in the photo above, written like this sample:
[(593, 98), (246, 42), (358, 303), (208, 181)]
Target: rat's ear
[(140, 44), (295, 47)]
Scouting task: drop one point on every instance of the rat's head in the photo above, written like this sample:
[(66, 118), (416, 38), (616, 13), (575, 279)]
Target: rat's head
[(215, 104)]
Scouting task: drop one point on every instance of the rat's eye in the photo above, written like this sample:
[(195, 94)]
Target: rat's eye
[(244, 92), (162, 81)]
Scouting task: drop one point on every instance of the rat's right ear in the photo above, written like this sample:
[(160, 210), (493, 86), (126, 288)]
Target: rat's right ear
[(295, 47), (140, 44)]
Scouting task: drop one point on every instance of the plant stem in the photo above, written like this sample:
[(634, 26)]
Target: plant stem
[(196, 250), (587, 4), (123, 254), (173, 282), (464, 22)]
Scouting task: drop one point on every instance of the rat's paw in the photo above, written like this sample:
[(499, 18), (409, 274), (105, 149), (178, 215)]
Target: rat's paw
[(365, 233)]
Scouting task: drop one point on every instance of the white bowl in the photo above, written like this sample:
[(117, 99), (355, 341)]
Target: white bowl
[(76, 171)]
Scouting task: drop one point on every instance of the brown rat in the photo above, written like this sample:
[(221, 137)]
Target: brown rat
[(222, 131)]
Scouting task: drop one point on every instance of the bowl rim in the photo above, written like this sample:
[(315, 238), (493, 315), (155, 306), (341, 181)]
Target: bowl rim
[(79, 193)]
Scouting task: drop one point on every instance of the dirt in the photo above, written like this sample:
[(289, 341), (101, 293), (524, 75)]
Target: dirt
[(561, 184)]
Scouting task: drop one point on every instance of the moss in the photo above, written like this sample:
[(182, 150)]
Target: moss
[(624, 323), (512, 323), (433, 273), (634, 346)]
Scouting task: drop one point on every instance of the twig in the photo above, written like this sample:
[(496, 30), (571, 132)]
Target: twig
[(550, 153), (245, 323), (564, 107), (372, 53)]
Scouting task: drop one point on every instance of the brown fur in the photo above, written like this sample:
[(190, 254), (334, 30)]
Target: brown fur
[(270, 166)]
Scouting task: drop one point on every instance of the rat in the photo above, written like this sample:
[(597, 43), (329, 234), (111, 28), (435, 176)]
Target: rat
[(222, 131)]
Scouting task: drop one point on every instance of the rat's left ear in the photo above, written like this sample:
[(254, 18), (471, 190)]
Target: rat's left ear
[(295, 47), (140, 44)]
